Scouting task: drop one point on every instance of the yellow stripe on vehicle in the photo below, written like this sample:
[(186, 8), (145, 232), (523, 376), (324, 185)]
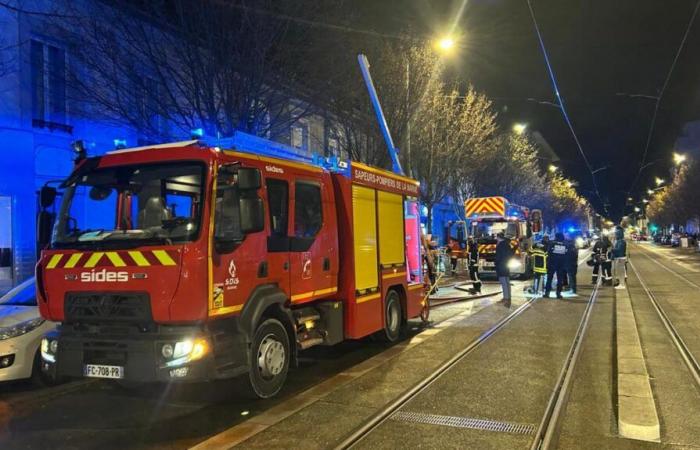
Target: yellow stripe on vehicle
[(163, 257), (367, 298), (139, 259), (116, 260), (414, 286), (394, 275), (55, 259), (225, 310), (73, 260), (94, 259), (311, 294)]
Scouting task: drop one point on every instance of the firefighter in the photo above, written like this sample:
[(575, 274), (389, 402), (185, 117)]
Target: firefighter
[(429, 260), (538, 253), (473, 259), (556, 264), (619, 254), (572, 264), (599, 256)]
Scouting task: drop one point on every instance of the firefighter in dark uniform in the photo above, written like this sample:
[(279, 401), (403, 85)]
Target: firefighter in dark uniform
[(473, 258), (556, 264), (571, 264), (600, 254)]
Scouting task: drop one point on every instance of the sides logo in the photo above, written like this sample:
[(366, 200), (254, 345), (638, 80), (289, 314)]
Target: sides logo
[(103, 276), (232, 281)]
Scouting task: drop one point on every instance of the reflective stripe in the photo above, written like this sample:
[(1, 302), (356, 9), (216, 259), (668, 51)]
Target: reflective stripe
[(139, 259), (73, 260), (394, 275), (55, 259), (94, 259), (163, 257), (225, 310), (116, 260), (367, 298), (310, 294)]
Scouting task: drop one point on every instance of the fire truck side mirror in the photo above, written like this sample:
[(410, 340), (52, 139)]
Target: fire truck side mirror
[(249, 179), (252, 214), (47, 195)]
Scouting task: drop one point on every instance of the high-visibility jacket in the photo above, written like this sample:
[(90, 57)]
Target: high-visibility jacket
[(539, 259)]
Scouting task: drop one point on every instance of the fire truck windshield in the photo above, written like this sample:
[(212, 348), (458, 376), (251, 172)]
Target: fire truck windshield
[(132, 205), (489, 229)]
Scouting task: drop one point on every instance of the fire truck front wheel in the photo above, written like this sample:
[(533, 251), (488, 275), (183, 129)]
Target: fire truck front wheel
[(269, 359), (393, 317)]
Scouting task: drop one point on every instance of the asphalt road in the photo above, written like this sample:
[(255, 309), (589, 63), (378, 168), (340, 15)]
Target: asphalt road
[(102, 415)]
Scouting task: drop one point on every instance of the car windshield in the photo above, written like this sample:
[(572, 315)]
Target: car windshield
[(21, 295), (489, 230), (130, 205)]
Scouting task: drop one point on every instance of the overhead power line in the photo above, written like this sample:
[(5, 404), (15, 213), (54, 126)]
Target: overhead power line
[(642, 164), (560, 102)]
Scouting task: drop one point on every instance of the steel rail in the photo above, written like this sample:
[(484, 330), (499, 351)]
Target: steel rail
[(382, 415), (678, 341), (678, 275), (548, 430)]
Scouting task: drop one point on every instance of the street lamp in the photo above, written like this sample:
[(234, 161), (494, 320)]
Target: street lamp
[(659, 181), (678, 158), (636, 209), (446, 44), (519, 128), (644, 200), (650, 191), (552, 168)]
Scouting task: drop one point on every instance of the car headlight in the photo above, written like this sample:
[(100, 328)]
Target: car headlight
[(20, 328), (514, 264)]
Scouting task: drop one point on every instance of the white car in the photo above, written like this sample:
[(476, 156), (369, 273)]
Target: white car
[(21, 330)]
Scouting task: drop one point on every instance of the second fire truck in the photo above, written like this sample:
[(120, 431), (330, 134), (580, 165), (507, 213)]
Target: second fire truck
[(488, 216)]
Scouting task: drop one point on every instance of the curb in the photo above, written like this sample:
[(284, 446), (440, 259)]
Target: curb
[(636, 410)]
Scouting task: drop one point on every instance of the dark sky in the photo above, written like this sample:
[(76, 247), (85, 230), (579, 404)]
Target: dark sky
[(603, 52)]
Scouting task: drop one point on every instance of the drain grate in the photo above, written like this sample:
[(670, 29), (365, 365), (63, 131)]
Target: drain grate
[(464, 422)]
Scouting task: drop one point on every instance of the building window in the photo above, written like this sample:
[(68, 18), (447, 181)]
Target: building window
[(48, 78), (300, 136), (333, 147)]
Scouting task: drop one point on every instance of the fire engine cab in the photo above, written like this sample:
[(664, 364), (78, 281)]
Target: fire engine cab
[(189, 262), (488, 216)]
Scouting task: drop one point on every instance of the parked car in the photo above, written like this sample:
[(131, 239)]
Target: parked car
[(675, 240), (21, 330)]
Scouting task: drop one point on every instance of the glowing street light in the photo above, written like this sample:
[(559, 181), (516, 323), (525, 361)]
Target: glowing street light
[(552, 168), (645, 200), (679, 158), (659, 181), (636, 209), (446, 44), (630, 199), (519, 128), (650, 191), (569, 183)]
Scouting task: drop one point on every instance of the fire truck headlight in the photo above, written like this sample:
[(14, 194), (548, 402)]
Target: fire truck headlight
[(514, 264), (184, 352)]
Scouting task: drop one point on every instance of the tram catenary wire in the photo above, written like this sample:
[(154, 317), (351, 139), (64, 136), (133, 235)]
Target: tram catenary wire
[(678, 341), (549, 425)]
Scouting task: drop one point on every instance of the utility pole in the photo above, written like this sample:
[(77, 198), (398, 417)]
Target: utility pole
[(409, 170)]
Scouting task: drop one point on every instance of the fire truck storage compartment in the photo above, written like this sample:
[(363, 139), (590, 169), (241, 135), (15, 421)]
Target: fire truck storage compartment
[(364, 225), (391, 228)]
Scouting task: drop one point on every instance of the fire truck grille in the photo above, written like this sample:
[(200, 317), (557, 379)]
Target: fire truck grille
[(102, 307)]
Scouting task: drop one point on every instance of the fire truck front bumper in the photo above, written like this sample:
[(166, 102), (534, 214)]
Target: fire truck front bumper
[(178, 354)]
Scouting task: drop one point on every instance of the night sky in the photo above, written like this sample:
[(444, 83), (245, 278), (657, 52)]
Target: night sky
[(605, 54)]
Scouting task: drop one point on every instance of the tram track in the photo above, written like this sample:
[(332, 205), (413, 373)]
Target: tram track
[(678, 342), (546, 433)]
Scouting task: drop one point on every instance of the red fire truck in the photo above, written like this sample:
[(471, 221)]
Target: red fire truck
[(186, 262)]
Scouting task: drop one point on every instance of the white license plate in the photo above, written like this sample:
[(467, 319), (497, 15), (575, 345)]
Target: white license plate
[(489, 264), (102, 371)]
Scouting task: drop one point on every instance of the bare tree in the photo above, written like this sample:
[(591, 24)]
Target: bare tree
[(167, 67)]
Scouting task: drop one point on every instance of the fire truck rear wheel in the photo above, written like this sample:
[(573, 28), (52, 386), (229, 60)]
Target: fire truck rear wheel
[(394, 318), (269, 354)]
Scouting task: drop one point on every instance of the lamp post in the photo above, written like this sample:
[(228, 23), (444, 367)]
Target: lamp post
[(444, 46)]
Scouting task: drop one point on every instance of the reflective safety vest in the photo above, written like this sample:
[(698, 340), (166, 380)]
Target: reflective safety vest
[(539, 260)]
